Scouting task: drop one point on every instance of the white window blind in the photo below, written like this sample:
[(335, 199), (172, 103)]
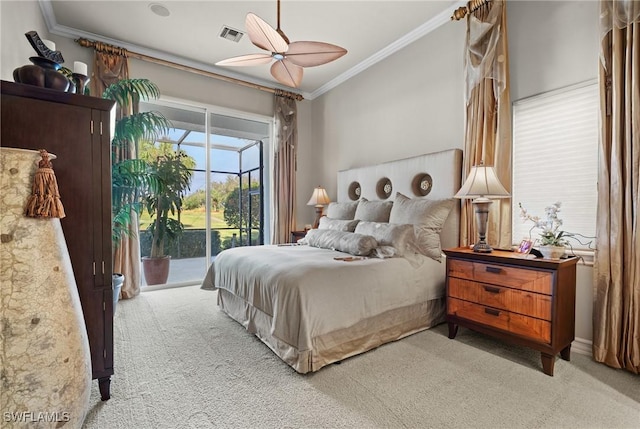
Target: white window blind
[(555, 158)]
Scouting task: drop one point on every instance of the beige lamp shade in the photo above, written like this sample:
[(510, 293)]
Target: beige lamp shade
[(319, 197), (482, 182)]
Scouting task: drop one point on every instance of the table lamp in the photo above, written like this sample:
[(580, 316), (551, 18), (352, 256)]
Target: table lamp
[(481, 185), (319, 198)]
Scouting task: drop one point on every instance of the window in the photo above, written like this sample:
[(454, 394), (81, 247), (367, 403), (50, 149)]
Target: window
[(555, 158), (225, 205)]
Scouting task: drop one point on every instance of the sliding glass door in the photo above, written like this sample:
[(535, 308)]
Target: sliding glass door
[(225, 205)]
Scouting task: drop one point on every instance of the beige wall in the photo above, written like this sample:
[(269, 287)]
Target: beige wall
[(408, 104), (16, 18), (412, 102)]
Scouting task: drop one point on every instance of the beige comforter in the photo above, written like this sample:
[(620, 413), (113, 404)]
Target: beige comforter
[(308, 293)]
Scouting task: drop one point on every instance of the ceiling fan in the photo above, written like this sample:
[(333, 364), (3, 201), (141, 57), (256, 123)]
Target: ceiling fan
[(290, 58)]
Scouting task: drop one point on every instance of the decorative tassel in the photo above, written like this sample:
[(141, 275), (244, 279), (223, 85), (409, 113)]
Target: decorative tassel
[(45, 197)]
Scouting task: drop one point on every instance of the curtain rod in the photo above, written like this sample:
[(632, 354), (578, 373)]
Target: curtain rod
[(280, 92), (471, 7)]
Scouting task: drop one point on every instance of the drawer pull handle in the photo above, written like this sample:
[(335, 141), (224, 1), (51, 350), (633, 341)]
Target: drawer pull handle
[(492, 289), (492, 312), (494, 270)]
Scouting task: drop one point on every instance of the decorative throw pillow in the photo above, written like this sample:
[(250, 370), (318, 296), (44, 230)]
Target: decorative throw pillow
[(427, 216), (343, 241), (427, 242), (373, 211), (388, 234), (345, 210), (337, 224), (384, 252)]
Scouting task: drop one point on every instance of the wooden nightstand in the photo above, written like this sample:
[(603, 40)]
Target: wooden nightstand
[(530, 302), (297, 235)]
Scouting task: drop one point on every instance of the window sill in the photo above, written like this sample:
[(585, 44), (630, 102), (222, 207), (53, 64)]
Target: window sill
[(587, 257)]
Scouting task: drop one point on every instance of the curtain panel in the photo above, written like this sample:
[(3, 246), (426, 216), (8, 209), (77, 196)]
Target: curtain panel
[(110, 66), (284, 171), (616, 306), (488, 116)]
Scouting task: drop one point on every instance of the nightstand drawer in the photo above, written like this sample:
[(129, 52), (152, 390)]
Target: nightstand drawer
[(525, 326), (520, 278), (517, 301)]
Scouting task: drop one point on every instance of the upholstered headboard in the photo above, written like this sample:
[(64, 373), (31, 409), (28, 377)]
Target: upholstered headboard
[(434, 176)]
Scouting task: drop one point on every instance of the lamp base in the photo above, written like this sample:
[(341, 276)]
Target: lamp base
[(319, 209), (482, 247), (482, 216)]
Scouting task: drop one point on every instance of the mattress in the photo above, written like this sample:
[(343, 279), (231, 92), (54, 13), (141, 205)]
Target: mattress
[(313, 309)]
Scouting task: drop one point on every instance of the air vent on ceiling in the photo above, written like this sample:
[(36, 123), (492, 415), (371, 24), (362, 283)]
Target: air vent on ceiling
[(231, 34)]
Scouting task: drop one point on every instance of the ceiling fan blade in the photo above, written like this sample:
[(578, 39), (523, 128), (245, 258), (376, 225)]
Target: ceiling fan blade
[(287, 73), (246, 60), (310, 54), (263, 35)]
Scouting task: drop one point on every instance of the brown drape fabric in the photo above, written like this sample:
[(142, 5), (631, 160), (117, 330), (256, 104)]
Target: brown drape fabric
[(616, 306), (284, 180), (110, 65), (488, 116)]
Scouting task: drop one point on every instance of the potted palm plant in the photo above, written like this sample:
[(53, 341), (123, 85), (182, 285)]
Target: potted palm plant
[(172, 171), (132, 179)]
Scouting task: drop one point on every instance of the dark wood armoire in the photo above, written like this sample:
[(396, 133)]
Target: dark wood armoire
[(78, 130)]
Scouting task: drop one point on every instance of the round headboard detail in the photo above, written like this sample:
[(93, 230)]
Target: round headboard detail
[(435, 175), (421, 184), (354, 191), (384, 188)]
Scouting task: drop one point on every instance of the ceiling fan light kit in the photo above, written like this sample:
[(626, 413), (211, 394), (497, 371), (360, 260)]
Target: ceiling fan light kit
[(290, 57)]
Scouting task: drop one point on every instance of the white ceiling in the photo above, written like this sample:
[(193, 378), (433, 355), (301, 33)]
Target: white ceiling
[(369, 29)]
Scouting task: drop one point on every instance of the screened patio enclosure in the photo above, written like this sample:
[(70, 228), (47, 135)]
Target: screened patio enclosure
[(225, 205)]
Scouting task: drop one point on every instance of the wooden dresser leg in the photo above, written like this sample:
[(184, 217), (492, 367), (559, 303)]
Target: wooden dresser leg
[(453, 330), (547, 363), (104, 384), (566, 353)]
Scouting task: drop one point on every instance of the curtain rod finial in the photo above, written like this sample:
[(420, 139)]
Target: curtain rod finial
[(84, 43), (471, 7), (459, 13)]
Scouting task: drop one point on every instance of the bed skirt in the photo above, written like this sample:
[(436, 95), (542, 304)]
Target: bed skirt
[(337, 345)]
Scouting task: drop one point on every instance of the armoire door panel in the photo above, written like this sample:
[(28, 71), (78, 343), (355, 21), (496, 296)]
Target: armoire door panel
[(77, 129)]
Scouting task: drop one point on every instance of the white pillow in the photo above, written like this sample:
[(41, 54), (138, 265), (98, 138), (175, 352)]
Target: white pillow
[(337, 224), (343, 241), (373, 211), (345, 210), (427, 216), (388, 234)]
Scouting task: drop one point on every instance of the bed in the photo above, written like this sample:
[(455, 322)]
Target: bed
[(372, 273)]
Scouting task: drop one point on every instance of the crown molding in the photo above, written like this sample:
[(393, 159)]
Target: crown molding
[(73, 33), (421, 31)]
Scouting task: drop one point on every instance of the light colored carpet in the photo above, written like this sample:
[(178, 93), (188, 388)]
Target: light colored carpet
[(182, 363)]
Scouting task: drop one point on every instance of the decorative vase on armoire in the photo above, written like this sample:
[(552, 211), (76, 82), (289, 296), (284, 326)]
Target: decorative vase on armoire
[(45, 357)]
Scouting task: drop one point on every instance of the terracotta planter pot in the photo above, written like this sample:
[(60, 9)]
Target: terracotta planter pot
[(156, 270)]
